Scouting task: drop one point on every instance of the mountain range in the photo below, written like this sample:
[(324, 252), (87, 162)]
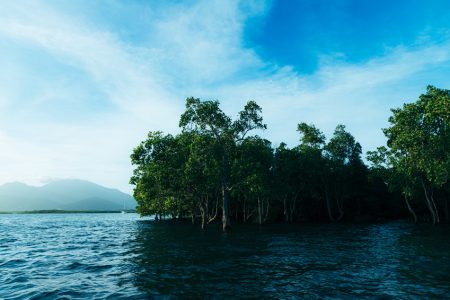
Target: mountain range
[(70, 194)]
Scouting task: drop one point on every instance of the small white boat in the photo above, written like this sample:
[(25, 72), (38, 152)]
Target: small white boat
[(123, 210)]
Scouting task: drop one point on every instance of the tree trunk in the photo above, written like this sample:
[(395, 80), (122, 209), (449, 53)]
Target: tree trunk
[(446, 210), (339, 205), (204, 210), (293, 207), (207, 207), (245, 210), (251, 214), (286, 217), (330, 214), (226, 208), (435, 208), (259, 212), (411, 210), (266, 217), (212, 218), (430, 206), (225, 194), (203, 215)]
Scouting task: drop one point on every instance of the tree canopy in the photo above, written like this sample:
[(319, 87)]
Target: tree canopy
[(418, 150), (215, 169)]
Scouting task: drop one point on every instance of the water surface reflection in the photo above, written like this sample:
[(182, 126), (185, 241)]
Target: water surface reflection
[(312, 261), (117, 256)]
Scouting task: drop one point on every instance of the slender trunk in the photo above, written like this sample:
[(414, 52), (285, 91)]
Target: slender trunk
[(434, 206), (339, 204), (292, 209), (225, 194), (446, 210), (295, 209), (430, 206), (226, 208), (207, 207), (245, 211), (212, 218), (266, 217), (259, 212), (330, 214), (411, 210), (286, 218), (204, 210), (251, 214), (237, 206), (193, 217), (300, 210), (203, 215)]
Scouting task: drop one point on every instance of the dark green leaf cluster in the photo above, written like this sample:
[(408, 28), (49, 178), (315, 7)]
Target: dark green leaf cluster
[(417, 160), (214, 169)]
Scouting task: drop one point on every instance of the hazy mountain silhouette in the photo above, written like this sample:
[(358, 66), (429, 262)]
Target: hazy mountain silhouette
[(70, 194)]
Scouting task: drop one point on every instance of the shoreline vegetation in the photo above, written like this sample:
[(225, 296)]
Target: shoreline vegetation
[(214, 169), (58, 211)]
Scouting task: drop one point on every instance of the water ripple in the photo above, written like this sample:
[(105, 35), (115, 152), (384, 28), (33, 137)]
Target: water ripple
[(113, 256)]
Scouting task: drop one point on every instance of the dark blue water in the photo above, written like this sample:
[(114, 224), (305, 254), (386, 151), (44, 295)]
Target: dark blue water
[(87, 256)]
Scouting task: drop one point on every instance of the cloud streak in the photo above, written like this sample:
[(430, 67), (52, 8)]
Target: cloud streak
[(118, 90)]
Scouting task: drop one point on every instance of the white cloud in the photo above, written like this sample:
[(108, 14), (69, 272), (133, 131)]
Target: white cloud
[(191, 49)]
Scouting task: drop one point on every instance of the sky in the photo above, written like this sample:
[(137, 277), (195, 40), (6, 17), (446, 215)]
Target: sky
[(82, 82)]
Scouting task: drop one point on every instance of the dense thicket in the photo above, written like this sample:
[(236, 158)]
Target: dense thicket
[(416, 161), (214, 169)]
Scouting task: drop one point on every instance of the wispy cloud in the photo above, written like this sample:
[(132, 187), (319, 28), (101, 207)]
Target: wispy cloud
[(108, 92)]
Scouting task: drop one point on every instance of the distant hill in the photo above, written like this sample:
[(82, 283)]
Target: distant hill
[(70, 194)]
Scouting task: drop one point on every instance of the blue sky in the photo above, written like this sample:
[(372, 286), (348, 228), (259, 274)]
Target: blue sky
[(298, 33), (82, 82)]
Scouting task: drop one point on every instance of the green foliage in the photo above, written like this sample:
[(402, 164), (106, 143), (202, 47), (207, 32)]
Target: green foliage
[(419, 136), (342, 148), (419, 143), (214, 168), (156, 160), (311, 136), (205, 118), (251, 168)]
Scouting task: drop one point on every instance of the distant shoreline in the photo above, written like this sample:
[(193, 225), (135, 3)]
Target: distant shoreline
[(57, 211)]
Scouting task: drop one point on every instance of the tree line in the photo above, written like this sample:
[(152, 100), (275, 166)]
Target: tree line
[(216, 169)]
